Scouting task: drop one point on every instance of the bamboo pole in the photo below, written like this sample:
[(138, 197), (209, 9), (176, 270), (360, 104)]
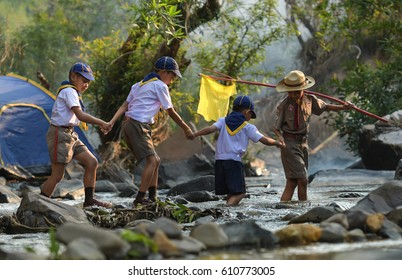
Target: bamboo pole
[(228, 78)]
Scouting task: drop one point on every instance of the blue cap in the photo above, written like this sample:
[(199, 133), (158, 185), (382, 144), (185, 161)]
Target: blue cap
[(245, 102), (83, 69), (169, 64)]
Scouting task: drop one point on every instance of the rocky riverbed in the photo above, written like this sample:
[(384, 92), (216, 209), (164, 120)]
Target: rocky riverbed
[(259, 228)]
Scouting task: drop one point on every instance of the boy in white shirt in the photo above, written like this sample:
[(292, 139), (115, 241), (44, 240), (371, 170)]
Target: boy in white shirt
[(144, 101), (234, 135), (63, 142)]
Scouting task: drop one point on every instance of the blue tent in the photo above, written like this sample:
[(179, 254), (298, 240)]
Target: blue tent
[(25, 110)]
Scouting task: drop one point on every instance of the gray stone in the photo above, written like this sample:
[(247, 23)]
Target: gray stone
[(167, 226), (210, 234), (8, 196), (332, 233), (39, 211), (109, 243)]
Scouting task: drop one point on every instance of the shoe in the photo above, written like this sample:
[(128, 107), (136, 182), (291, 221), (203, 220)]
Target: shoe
[(95, 202), (143, 202)]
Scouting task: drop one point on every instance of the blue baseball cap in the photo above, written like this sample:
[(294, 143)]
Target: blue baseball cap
[(245, 102), (83, 69), (169, 64)]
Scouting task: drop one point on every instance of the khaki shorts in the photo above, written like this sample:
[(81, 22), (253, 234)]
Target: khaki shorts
[(138, 137), (63, 144), (295, 159)]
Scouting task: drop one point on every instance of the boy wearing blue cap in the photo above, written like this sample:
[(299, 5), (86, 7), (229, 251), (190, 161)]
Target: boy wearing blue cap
[(144, 101), (234, 135), (63, 142)]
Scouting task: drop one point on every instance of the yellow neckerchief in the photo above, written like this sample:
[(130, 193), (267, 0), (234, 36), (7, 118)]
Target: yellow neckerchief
[(231, 133), (148, 81), (83, 124)]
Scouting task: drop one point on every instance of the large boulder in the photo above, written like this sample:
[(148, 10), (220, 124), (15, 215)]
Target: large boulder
[(380, 144), (39, 211)]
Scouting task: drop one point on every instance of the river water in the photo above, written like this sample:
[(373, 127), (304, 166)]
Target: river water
[(345, 188)]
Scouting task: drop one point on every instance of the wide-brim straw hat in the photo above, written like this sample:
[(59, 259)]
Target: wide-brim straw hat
[(295, 80)]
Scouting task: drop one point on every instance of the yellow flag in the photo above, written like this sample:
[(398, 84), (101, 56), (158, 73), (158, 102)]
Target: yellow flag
[(214, 98)]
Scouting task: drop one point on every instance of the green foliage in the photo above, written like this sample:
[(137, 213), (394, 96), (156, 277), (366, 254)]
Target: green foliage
[(183, 214), (54, 246), (142, 239), (236, 41), (45, 42), (374, 89)]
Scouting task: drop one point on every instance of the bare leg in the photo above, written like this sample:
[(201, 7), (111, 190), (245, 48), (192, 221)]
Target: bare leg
[(55, 177), (149, 175), (302, 189), (233, 200), (90, 164), (289, 189)]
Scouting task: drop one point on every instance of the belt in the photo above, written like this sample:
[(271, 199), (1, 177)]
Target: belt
[(65, 127), (299, 137)]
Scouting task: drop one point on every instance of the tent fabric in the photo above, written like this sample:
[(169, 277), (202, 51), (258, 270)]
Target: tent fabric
[(25, 110)]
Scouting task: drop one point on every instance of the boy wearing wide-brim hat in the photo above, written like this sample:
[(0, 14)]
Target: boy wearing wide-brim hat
[(291, 128), (234, 135)]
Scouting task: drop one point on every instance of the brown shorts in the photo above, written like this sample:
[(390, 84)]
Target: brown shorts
[(295, 159), (138, 137), (63, 144)]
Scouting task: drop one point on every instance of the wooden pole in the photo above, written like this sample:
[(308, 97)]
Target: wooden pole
[(227, 78)]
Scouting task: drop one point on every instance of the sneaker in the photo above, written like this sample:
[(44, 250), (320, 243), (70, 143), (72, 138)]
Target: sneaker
[(143, 202), (95, 202)]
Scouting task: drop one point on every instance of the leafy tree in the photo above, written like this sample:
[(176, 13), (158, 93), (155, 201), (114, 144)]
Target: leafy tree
[(177, 28)]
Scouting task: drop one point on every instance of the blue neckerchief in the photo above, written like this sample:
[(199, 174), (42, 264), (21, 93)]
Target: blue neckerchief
[(235, 121), (149, 78), (66, 84)]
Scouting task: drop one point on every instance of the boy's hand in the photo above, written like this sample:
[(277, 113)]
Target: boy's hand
[(189, 134), (280, 143)]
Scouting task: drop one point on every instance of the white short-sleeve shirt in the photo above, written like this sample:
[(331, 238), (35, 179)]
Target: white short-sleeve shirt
[(233, 147), (144, 101), (62, 115)]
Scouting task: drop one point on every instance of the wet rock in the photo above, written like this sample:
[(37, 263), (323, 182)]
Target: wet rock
[(167, 226), (248, 233), (204, 183), (356, 219), (315, 215), (105, 186), (382, 200), (83, 249), (200, 196), (340, 219), (39, 211), (390, 230), (126, 190), (189, 245), (374, 222), (71, 189), (355, 235), (165, 246), (210, 234), (111, 245), (380, 145), (332, 233), (395, 216), (7, 196), (298, 234)]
